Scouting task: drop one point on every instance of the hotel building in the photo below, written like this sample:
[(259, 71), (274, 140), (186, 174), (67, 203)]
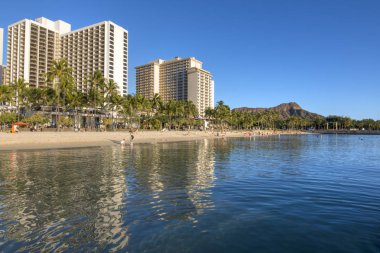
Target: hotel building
[(103, 46), (177, 79), (34, 45), (3, 72), (2, 67), (1, 45), (32, 48)]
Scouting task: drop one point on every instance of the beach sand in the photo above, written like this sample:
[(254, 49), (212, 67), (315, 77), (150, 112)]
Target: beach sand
[(47, 140)]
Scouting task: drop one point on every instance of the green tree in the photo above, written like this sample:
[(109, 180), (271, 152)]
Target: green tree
[(36, 119), (111, 97), (157, 103), (60, 74), (127, 108), (20, 92), (35, 97), (77, 101), (96, 93), (6, 94), (65, 121), (222, 113), (7, 118)]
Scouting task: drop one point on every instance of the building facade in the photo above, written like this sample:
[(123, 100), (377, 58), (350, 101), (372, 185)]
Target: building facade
[(103, 46), (34, 45), (2, 67), (200, 89), (148, 78), (1, 45), (32, 48), (177, 79), (3, 72)]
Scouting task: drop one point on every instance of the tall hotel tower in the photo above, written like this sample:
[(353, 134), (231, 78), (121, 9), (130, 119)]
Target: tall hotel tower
[(32, 48), (177, 79), (1, 45), (34, 45), (2, 68), (103, 46)]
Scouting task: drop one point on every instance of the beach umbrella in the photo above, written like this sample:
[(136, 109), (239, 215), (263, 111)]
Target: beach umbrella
[(20, 124)]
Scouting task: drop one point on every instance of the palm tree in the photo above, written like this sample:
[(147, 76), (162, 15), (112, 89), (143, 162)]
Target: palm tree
[(319, 122), (77, 101), (6, 94), (97, 83), (67, 89), (141, 103), (127, 108), (117, 102), (48, 96), (35, 96), (141, 106), (110, 88), (171, 111), (157, 103), (19, 87), (190, 109), (110, 93), (94, 96), (190, 112), (209, 113), (222, 112), (236, 119), (60, 75)]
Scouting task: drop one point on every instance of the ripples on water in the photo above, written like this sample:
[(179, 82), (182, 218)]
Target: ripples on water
[(280, 194)]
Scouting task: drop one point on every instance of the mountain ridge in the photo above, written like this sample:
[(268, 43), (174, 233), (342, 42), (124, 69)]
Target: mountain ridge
[(285, 110)]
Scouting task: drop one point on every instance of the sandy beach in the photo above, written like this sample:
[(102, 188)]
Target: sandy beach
[(47, 140)]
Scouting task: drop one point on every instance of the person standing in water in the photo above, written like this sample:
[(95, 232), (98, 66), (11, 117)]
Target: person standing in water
[(131, 133)]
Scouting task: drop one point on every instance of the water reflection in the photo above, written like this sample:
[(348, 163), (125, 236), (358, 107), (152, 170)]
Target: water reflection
[(62, 199), (185, 169), (109, 226), (202, 177), (286, 194), (88, 198)]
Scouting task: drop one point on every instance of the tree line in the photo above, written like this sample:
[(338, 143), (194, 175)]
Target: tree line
[(65, 105), (223, 115), (100, 104)]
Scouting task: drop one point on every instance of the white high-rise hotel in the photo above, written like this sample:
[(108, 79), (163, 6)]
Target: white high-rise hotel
[(177, 79), (1, 45), (2, 68), (34, 45)]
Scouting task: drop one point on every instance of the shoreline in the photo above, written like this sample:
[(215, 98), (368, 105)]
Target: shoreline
[(55, 140), (348, 132)]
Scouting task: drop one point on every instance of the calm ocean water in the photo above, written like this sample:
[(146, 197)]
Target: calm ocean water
[(277, 194)]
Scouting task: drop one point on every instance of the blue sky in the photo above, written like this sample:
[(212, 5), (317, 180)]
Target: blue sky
[(322, 54)]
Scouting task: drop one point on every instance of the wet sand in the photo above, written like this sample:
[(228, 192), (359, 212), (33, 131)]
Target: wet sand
[(47, 140)]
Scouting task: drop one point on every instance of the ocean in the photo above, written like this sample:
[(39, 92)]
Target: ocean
[(313, 193)]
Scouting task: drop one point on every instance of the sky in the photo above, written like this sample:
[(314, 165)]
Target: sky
[(322, 54)]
